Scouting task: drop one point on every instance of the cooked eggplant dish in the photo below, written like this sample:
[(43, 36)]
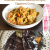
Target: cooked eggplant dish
[(23, 40)]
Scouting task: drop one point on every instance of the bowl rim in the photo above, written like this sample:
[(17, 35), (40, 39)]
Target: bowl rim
[(22, 25)]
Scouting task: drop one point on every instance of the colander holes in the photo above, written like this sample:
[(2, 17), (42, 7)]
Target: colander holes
[(48, 42), (45, 43), (5, 37), (1, 43), (7, 33), (2, 38), (46, 34), (10, 32), (45, 48), (48, 47), (45, 40), (1, 47), (42, 47), (8, 36)]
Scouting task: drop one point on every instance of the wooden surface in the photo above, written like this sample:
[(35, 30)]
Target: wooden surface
[(5, 26)]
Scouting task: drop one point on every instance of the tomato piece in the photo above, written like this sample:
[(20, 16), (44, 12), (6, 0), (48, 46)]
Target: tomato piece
[(18, 14), (15, 23), (8, 16)]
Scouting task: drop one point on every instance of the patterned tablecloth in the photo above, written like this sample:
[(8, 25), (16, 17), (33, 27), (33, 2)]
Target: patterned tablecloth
[(46, 18)]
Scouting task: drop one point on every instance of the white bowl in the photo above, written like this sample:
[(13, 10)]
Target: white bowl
[(11, 7)]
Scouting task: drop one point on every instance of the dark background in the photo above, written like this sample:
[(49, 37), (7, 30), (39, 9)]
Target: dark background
[(5, 26)]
